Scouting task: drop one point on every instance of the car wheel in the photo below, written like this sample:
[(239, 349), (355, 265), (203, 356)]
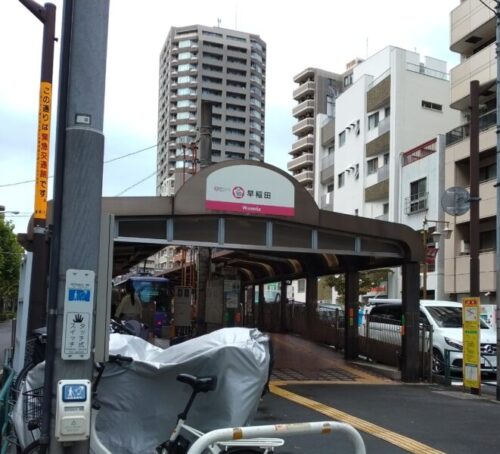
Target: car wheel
[(437, 362)]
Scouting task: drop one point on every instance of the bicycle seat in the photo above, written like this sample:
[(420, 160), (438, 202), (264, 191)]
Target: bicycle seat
[(199, 384)]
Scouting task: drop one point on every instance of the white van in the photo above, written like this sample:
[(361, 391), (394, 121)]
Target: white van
[(445, 317)]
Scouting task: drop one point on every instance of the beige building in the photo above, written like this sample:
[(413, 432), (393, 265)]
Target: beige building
[(473, 36)]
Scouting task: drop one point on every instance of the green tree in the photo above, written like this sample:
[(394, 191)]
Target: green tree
[(367, 280), (10, 259)]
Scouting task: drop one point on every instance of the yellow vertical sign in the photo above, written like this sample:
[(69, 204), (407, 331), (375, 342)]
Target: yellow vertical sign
[(43, 147), (471, 337)]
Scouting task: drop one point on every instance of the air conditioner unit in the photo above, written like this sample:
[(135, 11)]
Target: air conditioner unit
[(464, 247)]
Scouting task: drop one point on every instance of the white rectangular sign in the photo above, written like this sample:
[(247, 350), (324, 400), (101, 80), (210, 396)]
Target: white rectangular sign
[(78, 314)]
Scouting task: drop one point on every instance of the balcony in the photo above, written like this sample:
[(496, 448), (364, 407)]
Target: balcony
[(303, 76), (304, 126), (327, 171), (471, 24), (304, 90), (303, 108), (378, 145), (306, 176), (305, 160), (303, 144), (384, 125), (416, 203), (481, 67), (380, 93), (378, 191)]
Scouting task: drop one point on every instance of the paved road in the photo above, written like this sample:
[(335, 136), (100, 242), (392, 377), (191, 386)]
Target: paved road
[(392, 417)]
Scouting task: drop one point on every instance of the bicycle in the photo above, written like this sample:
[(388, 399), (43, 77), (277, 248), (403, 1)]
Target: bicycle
[(242, 440)]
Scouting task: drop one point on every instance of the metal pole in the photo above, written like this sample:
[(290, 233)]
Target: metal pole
[(38, 289), (424, 274), (474, 188), (474, 196), (498, 197)]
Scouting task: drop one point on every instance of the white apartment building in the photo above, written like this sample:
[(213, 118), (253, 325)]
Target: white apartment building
[(395, 102)]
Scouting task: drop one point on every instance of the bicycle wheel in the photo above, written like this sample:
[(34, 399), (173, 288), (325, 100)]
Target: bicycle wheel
[(33, 448), (21, 376)]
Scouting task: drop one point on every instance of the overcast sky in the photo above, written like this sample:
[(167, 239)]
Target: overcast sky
[(299, 34)]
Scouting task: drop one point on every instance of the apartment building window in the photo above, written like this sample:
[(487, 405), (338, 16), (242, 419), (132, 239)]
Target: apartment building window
[(185, 67), (237, 72), (330, 106), (341, 179), (418, 196), (341, 138), (348, 80), (487, 240), (185, 43), (238, 132), (329, 188), (186, 92), (235, 119), (487, 172), (432, 106), (212, 55), (385, 208), (184, 128), (183, 116), (185, 55), (373, 120), (387, 111), (207, 33), (184, 103), (215, 69), (236, 38), (371, 166), (211, 80), (241, 50), (386, 158), (239, 61), (185, 80), (235, 143)]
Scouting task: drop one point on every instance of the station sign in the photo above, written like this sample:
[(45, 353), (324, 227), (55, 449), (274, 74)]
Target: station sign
[(251, 190)]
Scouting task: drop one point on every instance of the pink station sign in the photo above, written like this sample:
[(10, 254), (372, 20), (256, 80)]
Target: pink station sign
[(251, 190)]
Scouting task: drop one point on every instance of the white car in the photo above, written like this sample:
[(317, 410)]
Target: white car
[(445, 317)]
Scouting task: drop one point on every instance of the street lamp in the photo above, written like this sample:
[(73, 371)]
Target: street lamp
[(436, 236), (3, 212)]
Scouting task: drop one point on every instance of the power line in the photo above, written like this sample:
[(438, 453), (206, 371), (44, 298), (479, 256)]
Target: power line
[(136, 184), (18, 183)]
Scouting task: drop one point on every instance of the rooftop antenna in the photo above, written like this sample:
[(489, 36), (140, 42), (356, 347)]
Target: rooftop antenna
[(218, 22), (236, 16)]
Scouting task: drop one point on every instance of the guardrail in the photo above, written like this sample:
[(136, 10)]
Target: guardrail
[(280, 430)]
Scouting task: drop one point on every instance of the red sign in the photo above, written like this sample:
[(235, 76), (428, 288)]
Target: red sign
[(430, 255)]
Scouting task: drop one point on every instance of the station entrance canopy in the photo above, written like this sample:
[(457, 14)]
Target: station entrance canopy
[(268, 221)]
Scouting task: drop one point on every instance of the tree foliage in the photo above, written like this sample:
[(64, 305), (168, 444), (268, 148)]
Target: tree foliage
[(367, 280), (10, 259)]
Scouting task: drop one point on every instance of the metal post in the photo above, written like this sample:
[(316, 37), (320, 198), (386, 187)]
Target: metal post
[(424, 274), (474, 188), (411, 285), (351, 314), (38, 293)]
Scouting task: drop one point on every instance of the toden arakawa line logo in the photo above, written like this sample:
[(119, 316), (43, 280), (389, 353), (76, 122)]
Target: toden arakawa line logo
[(238, 192)]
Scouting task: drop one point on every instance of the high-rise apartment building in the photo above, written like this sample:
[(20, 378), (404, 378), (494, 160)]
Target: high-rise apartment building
[(472, 32), (225, 67), (316, 93)]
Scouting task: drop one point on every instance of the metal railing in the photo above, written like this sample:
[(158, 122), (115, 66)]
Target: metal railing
[(460, 133)]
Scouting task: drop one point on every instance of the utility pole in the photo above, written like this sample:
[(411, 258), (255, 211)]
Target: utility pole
[(38, 286), (497, 14), (203, 253), (77, 192)]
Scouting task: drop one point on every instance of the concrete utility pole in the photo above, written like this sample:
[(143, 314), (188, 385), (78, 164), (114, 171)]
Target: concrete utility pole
[(204, 253), (78, 186), (497, 14)]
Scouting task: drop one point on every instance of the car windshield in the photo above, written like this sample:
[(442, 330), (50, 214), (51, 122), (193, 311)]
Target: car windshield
[(449, 316)]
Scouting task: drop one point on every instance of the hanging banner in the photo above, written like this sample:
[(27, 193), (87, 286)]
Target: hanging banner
[(471, 311), (251, 190)]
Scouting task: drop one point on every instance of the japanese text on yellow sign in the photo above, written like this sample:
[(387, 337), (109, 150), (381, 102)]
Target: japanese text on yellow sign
[(471, 337), (43, 146)]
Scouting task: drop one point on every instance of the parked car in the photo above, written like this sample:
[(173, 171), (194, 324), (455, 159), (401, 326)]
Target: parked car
[(445, 317)]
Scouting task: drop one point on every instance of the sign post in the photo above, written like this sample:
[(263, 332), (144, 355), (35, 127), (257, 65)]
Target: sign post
[(471, 336)]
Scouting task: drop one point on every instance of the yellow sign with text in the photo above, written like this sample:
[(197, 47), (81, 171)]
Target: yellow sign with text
[(471, 310), (43, 147)]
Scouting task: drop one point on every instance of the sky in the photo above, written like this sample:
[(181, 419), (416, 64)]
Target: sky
[(299, 34)]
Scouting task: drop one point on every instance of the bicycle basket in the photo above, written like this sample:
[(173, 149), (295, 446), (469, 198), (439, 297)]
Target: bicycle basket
[(32, 404)]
